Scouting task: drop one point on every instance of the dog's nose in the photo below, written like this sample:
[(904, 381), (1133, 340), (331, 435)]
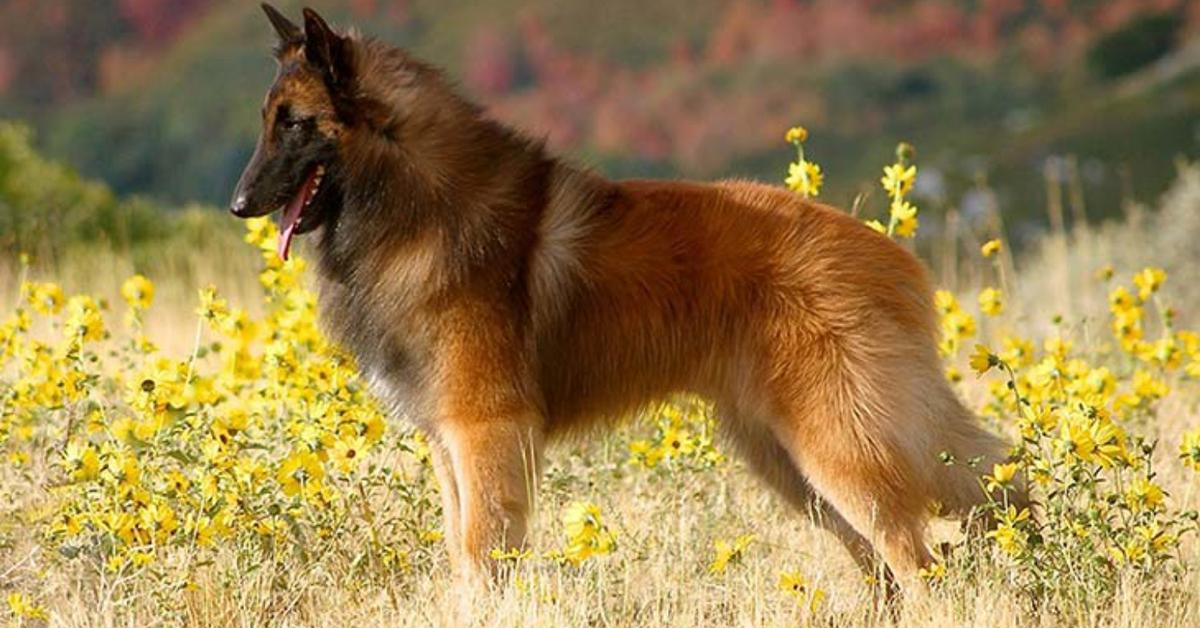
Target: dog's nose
[(238, 206)]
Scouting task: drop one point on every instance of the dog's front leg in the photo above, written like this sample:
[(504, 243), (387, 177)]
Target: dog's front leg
[(495, 461), (488, 422)]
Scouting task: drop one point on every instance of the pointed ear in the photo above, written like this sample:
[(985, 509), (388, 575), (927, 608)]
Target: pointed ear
[(326, 50), (289, 33)]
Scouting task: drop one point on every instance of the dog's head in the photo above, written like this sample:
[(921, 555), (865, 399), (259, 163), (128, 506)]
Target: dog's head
[(295, 165)]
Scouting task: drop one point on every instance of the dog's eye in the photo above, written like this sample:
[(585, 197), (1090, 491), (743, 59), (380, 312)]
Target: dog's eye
[(287, 119), (294, 124)]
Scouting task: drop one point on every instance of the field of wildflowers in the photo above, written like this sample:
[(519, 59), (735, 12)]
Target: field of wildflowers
[(250, 479)]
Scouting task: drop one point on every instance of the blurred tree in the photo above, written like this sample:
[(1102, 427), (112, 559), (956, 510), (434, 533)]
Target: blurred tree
[(52, 45), (1136, 44)]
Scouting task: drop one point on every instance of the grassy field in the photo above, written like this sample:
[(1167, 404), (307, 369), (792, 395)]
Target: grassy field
[(213, 479)]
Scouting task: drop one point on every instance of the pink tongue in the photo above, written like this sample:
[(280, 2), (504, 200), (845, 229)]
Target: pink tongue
[(291, 217)]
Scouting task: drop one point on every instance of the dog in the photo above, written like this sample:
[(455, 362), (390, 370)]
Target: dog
[(501, 297)]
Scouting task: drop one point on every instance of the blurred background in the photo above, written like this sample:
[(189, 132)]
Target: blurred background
[(1009, 102)]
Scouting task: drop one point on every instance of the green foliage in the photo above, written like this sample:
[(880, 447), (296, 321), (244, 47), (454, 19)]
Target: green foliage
[(43, 203), (46, 209)]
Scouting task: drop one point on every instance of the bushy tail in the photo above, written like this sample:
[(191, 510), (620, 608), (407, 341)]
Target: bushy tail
[(959, 486)]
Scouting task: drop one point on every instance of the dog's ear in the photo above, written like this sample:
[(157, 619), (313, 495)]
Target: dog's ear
[(289, 33), (326, 50)]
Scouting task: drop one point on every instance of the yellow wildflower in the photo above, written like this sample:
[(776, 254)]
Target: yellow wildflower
[(805, 177), (83, 319), (299, 471), (1148, 281), (23, 607), (796, 135), (587, 535), (1189, 449), (1002, 475), (991, 301), (138, 292), (898, 179), (727, 553), (983, 360), (1144, 494), (796, 585)]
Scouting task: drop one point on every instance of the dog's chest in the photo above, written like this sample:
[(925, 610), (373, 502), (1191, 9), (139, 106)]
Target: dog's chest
[(391, 355)]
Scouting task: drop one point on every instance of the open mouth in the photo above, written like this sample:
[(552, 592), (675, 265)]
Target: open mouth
[(293, 213)]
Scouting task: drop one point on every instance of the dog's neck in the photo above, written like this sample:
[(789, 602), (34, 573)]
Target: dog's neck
[(453, 174)]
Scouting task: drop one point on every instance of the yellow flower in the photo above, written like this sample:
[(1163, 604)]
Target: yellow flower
[(934, 572), (347, 453), (138, 292), (644, 453), (876, 225), (1148, 281), (958, 324), (44, 298), (677, 443), (990, 248), (898, 179), (261, 232), (159, 520), (1001, 475), (796, 135), (953, 375), (24, 607), (178, 483), (511, 555), (794, 584), (727, 553), (82, 461), (991, 301), (983, 360), (83, 319), (300, 471), (1189, 449), (907, 227), (1008, 535), (805, 177), (944, 301), (1018, 352), (1144, 494), (212, 307), (141, 559), (1145, 385), (904, 218), (581, 520), (587, 535)]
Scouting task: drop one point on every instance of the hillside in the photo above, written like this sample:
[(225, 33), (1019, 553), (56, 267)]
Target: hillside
[(160, 97)]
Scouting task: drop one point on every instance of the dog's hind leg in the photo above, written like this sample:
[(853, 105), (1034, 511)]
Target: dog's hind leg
[(858, 427), (771, 462)]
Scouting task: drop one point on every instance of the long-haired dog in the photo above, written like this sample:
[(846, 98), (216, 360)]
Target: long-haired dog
[(499, 297)]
